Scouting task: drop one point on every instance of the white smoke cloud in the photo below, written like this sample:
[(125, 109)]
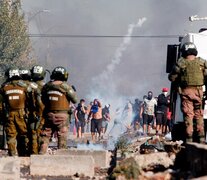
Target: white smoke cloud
[(119, 51), (103, 85), (90, 55)]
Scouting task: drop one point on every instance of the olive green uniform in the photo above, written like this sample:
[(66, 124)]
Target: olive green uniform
[(36, 120), (15, 96), (56, 96), (40, 106), (2, 124), (190, 74)]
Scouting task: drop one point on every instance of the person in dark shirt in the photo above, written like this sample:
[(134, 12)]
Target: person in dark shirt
[(106, 118), (136, 114), (80, 118), (161, 114)]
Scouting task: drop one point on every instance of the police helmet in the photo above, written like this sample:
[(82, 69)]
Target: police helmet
[(59, 73), (188, 48), (25, 74), (13, 74), (38, 73)]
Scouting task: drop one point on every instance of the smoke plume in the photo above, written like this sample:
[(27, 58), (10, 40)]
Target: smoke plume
[(85, 58), (104, 85), (119, 51)]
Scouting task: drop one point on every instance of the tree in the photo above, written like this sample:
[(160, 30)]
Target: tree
[(15, 47)]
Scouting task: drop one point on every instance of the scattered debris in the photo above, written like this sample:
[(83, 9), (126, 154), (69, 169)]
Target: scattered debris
[(128, 168)]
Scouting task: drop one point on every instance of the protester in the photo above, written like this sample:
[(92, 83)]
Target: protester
[(95, 115), (169, 117), (161, 113), (80, 120), (106, 118), (88, 119), (127, 117), (136, 113), (148, 109)]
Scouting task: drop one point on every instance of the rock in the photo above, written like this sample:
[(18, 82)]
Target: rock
[(154, 159), (10, 168)]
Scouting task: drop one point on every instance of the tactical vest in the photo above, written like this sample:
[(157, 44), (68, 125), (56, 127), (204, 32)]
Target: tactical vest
[(38, 106), (15, 96), (56, 99), (192, 73), (40, 84), (39, 102)]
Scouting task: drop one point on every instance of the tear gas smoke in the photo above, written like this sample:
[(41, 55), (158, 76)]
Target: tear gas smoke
[(104, 88), (94, 147), (119, 51), (103, 85), (98, 17), (95, 18)]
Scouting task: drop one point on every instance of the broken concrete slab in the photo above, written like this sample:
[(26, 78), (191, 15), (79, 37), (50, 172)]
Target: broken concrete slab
[(61, 165), (24, 161), (102, 158), (159, 158), (9, 168)]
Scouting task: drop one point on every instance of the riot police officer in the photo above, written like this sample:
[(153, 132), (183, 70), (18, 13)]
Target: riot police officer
[(25, 74), (56, 96), (189, 74), (15, 99), (37, 76), (34, 79)]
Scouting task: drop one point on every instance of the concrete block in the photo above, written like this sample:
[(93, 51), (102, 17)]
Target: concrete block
[(102, 158), (196, 155), (61, 165), (159, 158), (9, 168), (24, 161)]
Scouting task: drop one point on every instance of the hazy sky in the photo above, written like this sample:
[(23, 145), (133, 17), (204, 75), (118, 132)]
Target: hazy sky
[(138, 64)]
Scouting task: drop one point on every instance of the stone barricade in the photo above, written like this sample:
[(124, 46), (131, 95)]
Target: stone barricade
[(102, 158), (61, 165)]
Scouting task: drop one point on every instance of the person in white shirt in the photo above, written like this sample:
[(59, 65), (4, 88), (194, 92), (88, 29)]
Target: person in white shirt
[(147, 112)]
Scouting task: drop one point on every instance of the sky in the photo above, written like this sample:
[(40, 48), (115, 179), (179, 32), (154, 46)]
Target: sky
[(110, 68)]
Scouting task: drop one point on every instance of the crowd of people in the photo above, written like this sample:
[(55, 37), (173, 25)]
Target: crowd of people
[(147, 114), (95, 115), (33, 112), (152, 113)]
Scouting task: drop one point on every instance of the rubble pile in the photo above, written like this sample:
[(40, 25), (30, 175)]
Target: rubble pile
[(134, 157), (145, 158)]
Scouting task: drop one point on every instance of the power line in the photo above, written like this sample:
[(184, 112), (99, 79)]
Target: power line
[(100, 36)]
